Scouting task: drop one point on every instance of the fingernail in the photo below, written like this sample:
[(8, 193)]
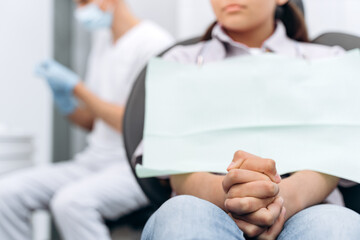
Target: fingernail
[(232, 164), (281, 200), (283, 211), (277, 177)]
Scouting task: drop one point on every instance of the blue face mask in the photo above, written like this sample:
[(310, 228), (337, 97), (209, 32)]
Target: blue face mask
[(93, 18)]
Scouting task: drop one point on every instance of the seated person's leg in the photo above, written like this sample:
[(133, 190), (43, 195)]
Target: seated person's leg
[(79, 208), (27, 190), (323, 221), (188, 217)]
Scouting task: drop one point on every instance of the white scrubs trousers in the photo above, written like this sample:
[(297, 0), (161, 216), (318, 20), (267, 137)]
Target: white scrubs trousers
[(78, 197), (99, 183)]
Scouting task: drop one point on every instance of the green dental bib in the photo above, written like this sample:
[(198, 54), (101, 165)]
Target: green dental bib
[(303, 114)]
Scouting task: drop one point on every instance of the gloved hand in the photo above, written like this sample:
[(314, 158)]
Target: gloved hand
[(65, 103), (62, 82), (59, 77)]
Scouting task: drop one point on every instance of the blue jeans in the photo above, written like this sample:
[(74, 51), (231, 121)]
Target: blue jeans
[(187, 217)]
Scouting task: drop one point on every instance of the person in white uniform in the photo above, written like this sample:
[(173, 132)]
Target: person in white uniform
[(98, 183)]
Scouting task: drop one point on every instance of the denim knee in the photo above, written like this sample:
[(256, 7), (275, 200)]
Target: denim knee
[(323, 221), (188, 217)]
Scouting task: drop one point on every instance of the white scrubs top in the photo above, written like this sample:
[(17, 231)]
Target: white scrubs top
[(112, 70)]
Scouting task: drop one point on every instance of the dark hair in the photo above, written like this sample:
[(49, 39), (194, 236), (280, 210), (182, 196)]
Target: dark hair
[(292, 18)]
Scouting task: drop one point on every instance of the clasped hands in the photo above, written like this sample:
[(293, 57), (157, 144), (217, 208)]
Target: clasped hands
[(252, 196)]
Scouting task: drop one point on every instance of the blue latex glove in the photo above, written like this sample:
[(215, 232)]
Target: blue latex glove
[(62, 82), (65, 103), (59, 77)]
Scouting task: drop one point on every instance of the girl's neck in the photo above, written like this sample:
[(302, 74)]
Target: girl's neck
[(123, 21), (253, 38)]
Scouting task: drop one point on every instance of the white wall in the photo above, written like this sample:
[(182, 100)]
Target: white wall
[(25, 101), (26, 39), (161, 11), (193, 18), (332, 15), (182, 18)]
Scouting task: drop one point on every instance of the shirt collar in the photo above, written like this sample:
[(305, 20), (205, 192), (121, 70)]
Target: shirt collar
[(129, 38), (278, 42)]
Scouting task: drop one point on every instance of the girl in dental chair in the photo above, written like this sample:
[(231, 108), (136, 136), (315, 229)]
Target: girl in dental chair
[(252, 201)]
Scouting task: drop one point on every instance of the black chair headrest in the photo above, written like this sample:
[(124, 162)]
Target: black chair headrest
[(346, 41)]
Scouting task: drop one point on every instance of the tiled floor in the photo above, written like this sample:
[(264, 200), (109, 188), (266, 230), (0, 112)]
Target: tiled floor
[(126, 233)]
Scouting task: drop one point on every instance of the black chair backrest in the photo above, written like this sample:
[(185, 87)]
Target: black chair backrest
[(156, 190), (135, 108)]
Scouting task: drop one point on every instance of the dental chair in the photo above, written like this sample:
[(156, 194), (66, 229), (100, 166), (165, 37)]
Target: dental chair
[(158, 191), (348, 42)]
